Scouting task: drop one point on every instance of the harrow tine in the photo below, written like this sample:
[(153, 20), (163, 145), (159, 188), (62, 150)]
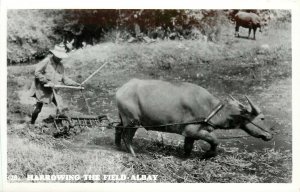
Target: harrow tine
[(83, 123), (55, 124), (79, 123), (74, 122), (88, 122)]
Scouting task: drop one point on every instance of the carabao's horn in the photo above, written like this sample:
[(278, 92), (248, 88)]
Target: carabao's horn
[(253, 106), (237, 101), (232, 97)]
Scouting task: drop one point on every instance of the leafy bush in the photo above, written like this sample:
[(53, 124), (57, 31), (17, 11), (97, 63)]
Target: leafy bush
[(30, 33)]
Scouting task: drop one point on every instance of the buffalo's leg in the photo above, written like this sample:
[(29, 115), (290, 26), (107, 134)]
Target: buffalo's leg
[(118, 134), (188, 146), (211, 139), (254, 31), (127, 136), (192, 131), (249, 32), (237, 30)]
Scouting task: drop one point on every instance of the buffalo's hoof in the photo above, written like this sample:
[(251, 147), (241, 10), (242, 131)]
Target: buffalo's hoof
[(118, 145), (210, 154), (186, 155)]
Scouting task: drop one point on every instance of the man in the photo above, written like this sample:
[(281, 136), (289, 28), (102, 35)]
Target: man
[(48, 73)]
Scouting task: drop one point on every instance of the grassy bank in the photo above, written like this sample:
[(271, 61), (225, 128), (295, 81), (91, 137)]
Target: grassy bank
[(31, 33), (268, 166), (249, 64), (44, 159)]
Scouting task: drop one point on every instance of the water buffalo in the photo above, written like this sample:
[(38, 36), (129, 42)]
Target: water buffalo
[(152, 103), (247, 20)]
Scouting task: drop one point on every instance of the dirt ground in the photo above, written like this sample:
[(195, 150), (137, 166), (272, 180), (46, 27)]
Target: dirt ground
[(275, 102)]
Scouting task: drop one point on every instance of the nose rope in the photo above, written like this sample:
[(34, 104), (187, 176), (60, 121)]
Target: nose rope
[(258, 126)]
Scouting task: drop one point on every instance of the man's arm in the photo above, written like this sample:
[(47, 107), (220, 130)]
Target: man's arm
[(67, 81), (40, 73)]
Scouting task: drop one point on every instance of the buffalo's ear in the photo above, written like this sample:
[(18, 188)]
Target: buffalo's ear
[(254, 109)]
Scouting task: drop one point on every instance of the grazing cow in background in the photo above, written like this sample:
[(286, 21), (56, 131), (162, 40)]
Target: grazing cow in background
[(152, 103), (247, 20)]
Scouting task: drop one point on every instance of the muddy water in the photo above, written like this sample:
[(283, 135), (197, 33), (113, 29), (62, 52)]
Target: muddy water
[(102, 101)]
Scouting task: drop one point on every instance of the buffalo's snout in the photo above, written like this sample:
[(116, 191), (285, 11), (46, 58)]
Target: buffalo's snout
[(257, 128)]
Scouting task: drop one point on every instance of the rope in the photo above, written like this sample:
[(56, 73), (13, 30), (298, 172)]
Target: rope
[(201, 121), (235, 137), (155, 126), (257, 125)]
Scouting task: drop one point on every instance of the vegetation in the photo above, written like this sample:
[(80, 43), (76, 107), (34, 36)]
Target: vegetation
[(241, 166), (261, 69), (31, 33)]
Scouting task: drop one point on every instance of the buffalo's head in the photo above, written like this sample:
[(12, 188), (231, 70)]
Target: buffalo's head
[(251, 120), (263, 25)]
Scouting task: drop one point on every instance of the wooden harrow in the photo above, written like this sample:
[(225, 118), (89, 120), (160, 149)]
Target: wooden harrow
[(82, 122), (64, 124)]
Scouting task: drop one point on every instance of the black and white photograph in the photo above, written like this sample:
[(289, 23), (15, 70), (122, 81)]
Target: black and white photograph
[(149, 96)]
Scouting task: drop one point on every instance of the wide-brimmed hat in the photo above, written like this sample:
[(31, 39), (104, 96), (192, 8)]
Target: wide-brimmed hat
[(59, 51)]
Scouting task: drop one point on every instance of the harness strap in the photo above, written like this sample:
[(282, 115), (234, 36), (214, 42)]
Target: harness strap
[(215, 110), (213, 113)]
